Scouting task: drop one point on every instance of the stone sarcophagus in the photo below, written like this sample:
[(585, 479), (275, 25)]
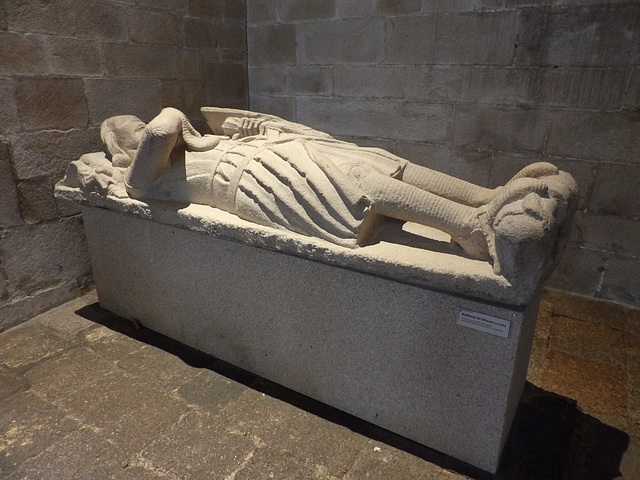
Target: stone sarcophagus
[(392, 292)]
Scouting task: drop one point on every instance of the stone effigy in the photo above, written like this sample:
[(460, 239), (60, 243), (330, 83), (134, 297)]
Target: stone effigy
[(285, 175), (394, 292)]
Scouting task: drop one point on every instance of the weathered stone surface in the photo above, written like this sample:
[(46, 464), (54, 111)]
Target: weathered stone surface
[(66, 209), (355, 8), (588, 309), (267, 80), (55, 378), (108, 343), (499, 128), (436, 83), (309, 439), (3, 18), (185, 95), (372, 118), (149, 26), (608, 232), (470, 166), (74, 56), (351, 41), (293, 10), (283, 107), (272, 44), (632, 93), (48, 153), (633, 385), (65, 320), (38, 17), (595, 386), (597, 35), (410, 40), (194, 447), (231, 9), (203, 8), (82, 17), (45, 255), (175, 5), (109, 97), (83, 453), (603, 136), (4, 290), (22, 54), (21, 308), (46, 103), (398, 7), (503, 86), (588, 341), (309, 80), (630, 464), (29, 425), (485, 38), (199, 33), (141, 61), (23, 346), (611, 196), (451, 6), (597, 88), (107, 21), (621, 281), (36, 200), (232, 36), (130, 414), (10, 384), (261, 11), (225, 84), (191, 64), (378, 461), (9, 204), (580, 270), (9, 121), (145, 363), (368, 81), (267, 463), (210, 391)]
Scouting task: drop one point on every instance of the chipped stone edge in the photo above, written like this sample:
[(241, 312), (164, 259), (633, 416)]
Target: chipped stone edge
[(434, 270)]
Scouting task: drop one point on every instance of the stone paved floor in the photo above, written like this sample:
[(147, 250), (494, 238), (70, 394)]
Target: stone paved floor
[(87, 395)]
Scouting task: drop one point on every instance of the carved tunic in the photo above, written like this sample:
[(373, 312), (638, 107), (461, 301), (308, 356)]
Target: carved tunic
[(301, 183)]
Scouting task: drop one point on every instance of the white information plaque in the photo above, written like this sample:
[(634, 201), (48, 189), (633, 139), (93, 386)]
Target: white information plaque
[(484, 323)]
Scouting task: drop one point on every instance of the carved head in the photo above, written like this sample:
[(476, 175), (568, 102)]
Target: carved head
[(121, 136)]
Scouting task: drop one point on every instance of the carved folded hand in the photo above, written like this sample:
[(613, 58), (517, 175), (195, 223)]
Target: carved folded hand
[(236, 127)]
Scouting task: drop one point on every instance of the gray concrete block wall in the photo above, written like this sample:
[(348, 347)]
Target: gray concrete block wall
[(478, 89), (64, 67)]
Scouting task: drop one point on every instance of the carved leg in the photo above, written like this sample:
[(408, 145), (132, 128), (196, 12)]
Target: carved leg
[(160, 137), (461, 191), (446, 186), (397, 199)]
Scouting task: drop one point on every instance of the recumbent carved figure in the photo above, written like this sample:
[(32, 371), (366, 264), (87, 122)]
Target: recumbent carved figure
[(285, 175)]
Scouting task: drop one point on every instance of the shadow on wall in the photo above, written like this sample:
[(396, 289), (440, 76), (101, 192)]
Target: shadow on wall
[(550, 438)]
